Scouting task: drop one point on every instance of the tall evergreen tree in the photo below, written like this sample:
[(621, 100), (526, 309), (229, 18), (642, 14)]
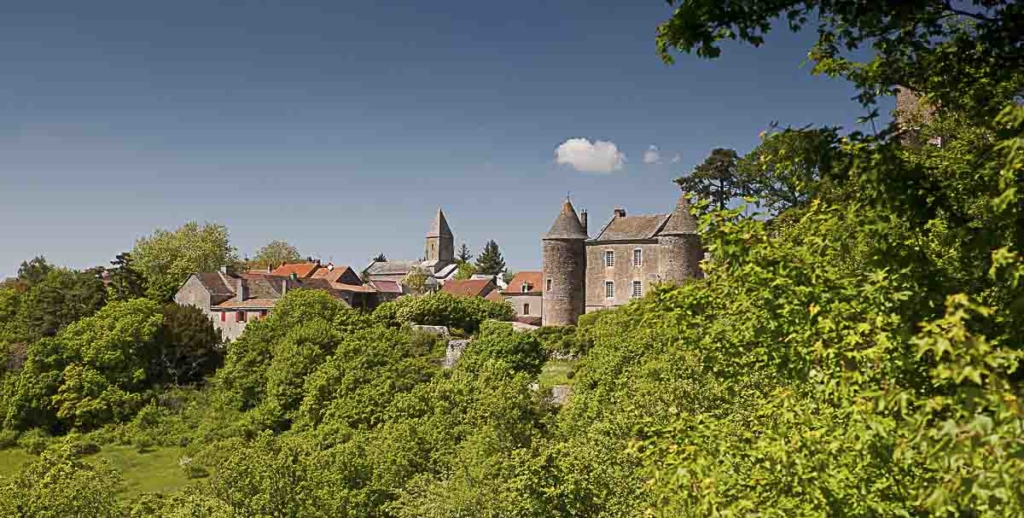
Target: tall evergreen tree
[(35, 270), (464, 255), (381, 258), (716, 180), (125, 281), (490, 261)]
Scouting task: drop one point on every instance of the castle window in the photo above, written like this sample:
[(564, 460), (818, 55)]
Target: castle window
[(526, 309), (549, 285), (638, 257), (609, 289), (609, 258), (240, 316), (638, 289)]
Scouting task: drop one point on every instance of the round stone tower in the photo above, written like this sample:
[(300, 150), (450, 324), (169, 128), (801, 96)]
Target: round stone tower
[(564, 269), (680, 249)]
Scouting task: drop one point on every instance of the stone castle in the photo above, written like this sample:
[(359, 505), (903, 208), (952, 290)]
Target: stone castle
[(628, 255)]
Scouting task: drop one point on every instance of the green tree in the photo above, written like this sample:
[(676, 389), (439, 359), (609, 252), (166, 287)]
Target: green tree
[(463, 256), (188, 347), (59, 299), (126, 282), (787, 168), (61, 484), (274, 254), (716, 179), (380, 258), (34, 270), (168, 257), (416, 281), (489, 261), (465, 271)]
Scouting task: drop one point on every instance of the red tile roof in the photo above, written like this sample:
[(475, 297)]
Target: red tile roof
[(387, 286), (469, 288), (248, 304), (495, 296), (302, 270), (531, 279), (354, 288)]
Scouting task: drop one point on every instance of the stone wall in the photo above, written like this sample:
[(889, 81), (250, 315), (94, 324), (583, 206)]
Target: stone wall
[(193, 293), (565, 266), (231, 328), (623, 273), (680, 257)]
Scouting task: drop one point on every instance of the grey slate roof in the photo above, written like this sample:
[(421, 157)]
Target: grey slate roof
[(681, 221), (215, 283), (567, 225), (632, 228), (392, 267), (439, 227)]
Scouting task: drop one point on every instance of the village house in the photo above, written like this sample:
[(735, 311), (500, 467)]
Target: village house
[(525, 294), (232, 300)]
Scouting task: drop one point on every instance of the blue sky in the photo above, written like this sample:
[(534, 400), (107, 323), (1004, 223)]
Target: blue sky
[(341, 126)]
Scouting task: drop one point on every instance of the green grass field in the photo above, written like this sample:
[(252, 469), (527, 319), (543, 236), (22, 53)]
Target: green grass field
[(555, 372), (154, 471)]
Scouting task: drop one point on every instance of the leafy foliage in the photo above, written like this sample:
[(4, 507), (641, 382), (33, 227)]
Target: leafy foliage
[(274, 254), (442, 309), (168, 257)]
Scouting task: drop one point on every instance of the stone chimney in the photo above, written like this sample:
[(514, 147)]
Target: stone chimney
[(583, 219), (620, 212), (270, 269), (240, 293), (224, 269)]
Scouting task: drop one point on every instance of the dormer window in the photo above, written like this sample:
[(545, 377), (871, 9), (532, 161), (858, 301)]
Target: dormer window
[(526, 287)]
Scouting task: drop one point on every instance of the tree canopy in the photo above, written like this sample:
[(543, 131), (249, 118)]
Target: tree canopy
[(274, 254), (167, 257), (716, 179)]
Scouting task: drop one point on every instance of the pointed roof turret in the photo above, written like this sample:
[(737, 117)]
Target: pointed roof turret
[(681, 221), (567, 225), (439, 228)]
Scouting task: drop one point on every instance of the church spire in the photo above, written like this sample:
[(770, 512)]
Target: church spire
[(439, 227)]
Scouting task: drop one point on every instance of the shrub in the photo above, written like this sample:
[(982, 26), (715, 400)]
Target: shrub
[(34, 441), (8, 439), (442, 309), (499, 341)]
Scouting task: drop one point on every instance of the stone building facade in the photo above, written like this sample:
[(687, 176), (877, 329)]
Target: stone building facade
[(628, 256), (232, 300), (526, 296)]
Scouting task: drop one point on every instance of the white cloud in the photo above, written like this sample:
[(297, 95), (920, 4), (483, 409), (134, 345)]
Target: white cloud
[(676, 159), (652, 156), (600, 156)]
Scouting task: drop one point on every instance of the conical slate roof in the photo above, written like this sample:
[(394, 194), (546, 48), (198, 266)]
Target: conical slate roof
[(680, 221), (439, 228), (567, 225)]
